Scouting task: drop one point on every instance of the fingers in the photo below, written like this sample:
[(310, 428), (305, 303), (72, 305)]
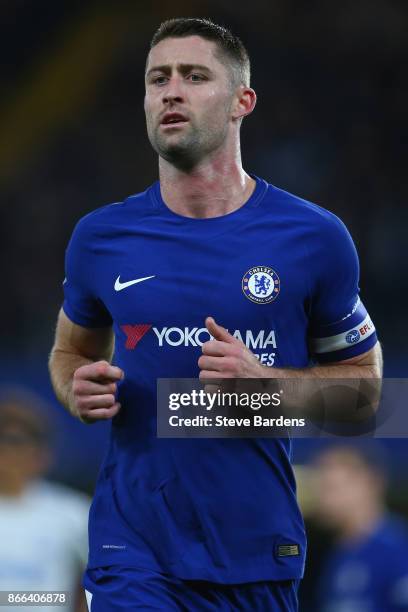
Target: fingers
[(216, 364), (218, 332), (90, 402), (91, 408), (211, 374), (220, 357), (100, 371), (99, 414), (218, 348), (93, 391), (226, 356), (212, 388), (88, 387)]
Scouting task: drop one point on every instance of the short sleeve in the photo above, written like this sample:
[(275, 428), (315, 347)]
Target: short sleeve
[(81, 302), (340, 327)]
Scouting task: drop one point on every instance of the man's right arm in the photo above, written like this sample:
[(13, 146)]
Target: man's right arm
[(84, 381)]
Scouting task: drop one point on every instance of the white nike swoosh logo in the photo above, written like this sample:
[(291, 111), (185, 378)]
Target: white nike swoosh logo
[(119, 286)]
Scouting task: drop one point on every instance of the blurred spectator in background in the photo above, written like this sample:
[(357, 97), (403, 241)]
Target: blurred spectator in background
[(367, 571), (43, 525)]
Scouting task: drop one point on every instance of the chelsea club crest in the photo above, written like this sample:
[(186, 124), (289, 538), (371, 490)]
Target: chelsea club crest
[(261, 284)]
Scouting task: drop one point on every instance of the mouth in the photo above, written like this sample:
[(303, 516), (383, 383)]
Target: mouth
[(173, 120)]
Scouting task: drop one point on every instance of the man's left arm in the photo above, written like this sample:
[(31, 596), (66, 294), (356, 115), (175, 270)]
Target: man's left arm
[(226, 357), (366, 365)]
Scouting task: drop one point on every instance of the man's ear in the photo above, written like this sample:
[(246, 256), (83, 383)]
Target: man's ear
[(244, 102)]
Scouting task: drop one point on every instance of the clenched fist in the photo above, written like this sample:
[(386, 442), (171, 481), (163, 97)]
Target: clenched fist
[(226, 356), (93, 391)]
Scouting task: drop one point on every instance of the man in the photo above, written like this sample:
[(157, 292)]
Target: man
[(43, 525), (200, 524), (368, 569)]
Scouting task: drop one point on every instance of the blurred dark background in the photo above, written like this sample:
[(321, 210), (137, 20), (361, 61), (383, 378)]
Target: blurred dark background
[(330, 125)]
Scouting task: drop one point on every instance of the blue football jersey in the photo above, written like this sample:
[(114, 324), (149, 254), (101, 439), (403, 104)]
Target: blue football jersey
[(369, 574), (279, 273)]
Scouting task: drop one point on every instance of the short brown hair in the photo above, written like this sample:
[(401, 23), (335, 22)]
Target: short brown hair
[(229, 46)]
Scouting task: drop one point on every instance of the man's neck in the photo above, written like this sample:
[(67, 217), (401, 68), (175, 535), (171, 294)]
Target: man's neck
[(211, 189)]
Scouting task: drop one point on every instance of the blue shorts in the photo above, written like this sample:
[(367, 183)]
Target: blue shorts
[(120, 589)]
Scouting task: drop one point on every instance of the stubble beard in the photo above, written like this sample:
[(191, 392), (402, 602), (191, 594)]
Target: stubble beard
[(186, 150)]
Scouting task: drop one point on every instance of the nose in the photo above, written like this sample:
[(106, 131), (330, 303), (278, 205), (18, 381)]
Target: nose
[(173, 92)]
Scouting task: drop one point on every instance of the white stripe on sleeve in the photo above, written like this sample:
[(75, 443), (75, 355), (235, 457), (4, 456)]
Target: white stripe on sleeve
[(348, 338)]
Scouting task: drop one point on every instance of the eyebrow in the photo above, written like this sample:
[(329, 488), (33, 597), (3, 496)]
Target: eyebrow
[(183, 68)]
